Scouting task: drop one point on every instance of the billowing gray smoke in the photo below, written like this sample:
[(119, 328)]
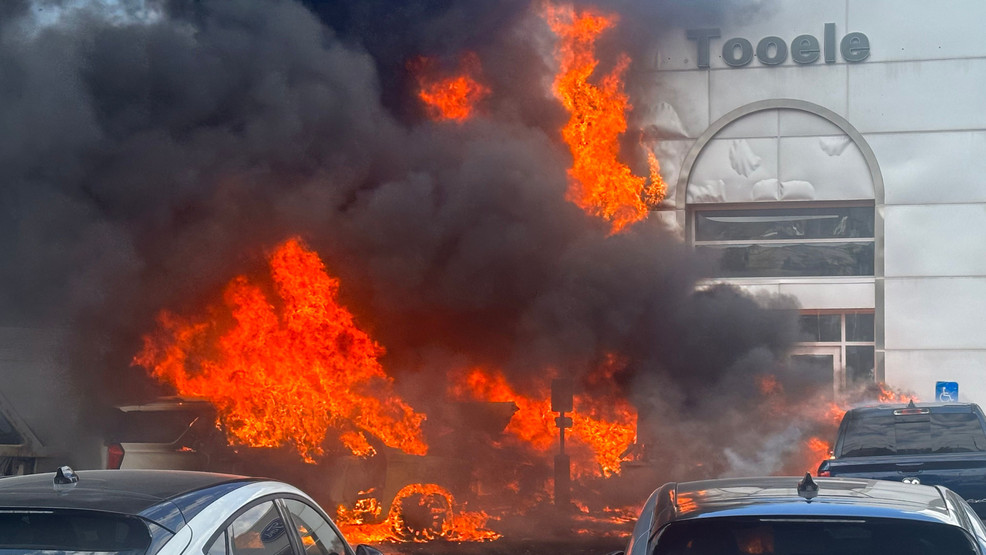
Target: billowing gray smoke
[(151, 151)]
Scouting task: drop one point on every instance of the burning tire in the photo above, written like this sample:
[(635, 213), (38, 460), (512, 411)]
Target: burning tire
[(422, 512)]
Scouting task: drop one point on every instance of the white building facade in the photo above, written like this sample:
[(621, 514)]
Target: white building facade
[(836, 152)]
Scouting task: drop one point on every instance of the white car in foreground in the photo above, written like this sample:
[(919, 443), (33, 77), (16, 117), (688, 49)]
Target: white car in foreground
[(163, 512)]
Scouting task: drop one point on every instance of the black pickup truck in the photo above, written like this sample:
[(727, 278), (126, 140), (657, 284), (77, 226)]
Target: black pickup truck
[(924, 443)]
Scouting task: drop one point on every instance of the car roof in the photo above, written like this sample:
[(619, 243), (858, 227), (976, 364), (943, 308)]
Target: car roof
[(778, 495), (164, 496), (934, 407)]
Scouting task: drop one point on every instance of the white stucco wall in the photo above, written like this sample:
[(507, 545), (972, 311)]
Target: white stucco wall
[(919, 101)]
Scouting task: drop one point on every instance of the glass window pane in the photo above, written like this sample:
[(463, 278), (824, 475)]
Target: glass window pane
[(72, 531), (260, 531), (218, 547), (317, 535), (859, 327), (821, 328), (8, 435), (783, 224), (779, 260), (887, 434), (815, 535), (869, 436), (809, 327), (859, 364)]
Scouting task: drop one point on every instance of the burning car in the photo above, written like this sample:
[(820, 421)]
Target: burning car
[(397, 495), (170, 433)]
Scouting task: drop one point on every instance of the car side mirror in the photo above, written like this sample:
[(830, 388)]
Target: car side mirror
[(363, 549)]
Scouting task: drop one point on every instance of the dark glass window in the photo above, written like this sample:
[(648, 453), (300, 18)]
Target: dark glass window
[(259, 531), (788, 241), (8, 435), (784, 224), (859, 327), (818, 328), (859, 363), (824, 259), (218, 546), (883, 433), (72, 531), (318, 537), (782, 535)]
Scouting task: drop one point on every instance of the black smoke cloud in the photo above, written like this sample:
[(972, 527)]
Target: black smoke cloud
[(151, 152)]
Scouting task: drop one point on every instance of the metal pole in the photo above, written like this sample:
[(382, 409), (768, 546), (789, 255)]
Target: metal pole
[(561, 402)]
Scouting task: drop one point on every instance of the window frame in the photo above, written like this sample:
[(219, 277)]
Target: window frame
[(696, 211), (277, 498), (841, 377), (294, 520)]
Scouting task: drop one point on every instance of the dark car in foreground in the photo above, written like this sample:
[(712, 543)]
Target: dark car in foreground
[(162, 512), (924, 443), (805, 516)]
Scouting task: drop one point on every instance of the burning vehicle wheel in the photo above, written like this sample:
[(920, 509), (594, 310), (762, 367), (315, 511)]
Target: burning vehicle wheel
[(422, 512)]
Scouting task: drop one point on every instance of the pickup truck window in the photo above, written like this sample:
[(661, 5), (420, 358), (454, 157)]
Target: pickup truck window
[(883, 433)]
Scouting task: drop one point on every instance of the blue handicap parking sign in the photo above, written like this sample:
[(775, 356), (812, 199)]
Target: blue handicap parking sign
[(947, 391)]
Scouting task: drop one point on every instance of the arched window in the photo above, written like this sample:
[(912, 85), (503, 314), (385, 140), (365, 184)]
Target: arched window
[(786, 196)]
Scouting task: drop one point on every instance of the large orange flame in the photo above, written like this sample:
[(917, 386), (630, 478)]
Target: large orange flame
[(599, 182), (605, 427), (888, 394), (450, 97), (284, 372)]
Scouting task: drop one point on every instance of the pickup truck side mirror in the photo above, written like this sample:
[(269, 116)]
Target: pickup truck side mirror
[(823, 469), (363, 549)]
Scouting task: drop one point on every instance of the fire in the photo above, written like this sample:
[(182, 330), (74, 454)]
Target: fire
[(889, 395), (606, 422), (531, 423), (657, 189), (607, 427), (419, 513), (285, 371), (830, 414), (452, 97), (819, 450), (599, 182), (768, 384)]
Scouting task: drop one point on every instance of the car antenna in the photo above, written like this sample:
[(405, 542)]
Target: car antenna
[(911, 404), (807, 487), (65, 479)]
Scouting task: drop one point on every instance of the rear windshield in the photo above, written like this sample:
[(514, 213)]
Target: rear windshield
[(153, 426), (794, 536), (35, 531), (869, 434)]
